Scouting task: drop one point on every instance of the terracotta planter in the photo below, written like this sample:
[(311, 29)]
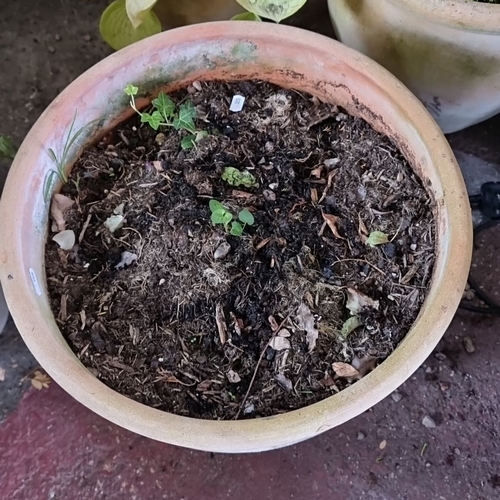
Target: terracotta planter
[(447, 52), (228, 50)]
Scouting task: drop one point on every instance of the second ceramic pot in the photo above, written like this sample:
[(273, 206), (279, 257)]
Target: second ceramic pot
[(447, 52)]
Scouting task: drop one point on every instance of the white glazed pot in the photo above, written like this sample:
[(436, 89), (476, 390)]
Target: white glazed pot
[(446, 51)]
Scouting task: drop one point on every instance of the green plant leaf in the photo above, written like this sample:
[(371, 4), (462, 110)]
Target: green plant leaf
[(131, 89), (246, 217), (227, 217), (236, 229), (217, 216), (7, 148), (236, 178), (350, 325), (215, 205), (153, 119), (47, 185), (246, 16), (277, 10), (137, 10), (200, 134), (185, 119), (377, 238), (117, 30), (188, 142), (164, 105)]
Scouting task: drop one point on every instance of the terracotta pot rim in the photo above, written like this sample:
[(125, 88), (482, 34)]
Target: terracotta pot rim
[(459, 14), (263, 433)]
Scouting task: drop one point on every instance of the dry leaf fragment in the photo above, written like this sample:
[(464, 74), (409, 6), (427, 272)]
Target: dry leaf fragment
[(284, 382), (344, 370), (65, 239), (233, 377), (305, 320), (332, 221), (273, 323), (40, 380), (357, 301), (280, 343), (60, 204), (350, 325), (364, 365), (114, 222), (362, 229), (262, 243), (317, 172), (127, 258), (204, 386)]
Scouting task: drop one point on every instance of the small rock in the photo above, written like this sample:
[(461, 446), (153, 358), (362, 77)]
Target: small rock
[(160, 139), (457, 451), (396, 397), (428, 422), (269, 147), (331, 162), (87, 38), (440, 356), (222, 250), (469, 345), (390, 250), (360, 436), (249, 408), (233, 377), (413, 247), (383, 445), (51, 49), (127, 258), (444, 386), (57, 37), (469, 295), (269, 195), (429, 370), (340, 117), (274, 186)]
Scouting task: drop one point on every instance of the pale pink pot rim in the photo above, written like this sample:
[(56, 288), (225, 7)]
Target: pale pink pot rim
[(37, 325), (461, 14)]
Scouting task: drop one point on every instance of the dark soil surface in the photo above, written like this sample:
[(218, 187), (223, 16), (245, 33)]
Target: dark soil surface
[(181, 328)]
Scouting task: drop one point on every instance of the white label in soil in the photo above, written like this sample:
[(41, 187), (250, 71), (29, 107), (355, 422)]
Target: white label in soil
[(237, 103), (34, 280)]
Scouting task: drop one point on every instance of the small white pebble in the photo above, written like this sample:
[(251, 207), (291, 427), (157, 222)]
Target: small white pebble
[(162, 281)]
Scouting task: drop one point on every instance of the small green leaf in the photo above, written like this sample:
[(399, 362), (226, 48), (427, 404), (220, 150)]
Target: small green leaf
[(236, 229), (200, 134), (350, 325), (377, 238), (118, 31), (217, 216), (246, 217), (7, 148), (236, 178), (188, 142), (47, 185), (227, 217), (246, 16), (215, 205), (277, 10), (153, 120), (185, 119), (131, 89), (164, 105)]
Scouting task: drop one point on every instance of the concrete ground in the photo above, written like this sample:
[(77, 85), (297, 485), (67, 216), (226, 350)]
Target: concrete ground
[(51, 447)]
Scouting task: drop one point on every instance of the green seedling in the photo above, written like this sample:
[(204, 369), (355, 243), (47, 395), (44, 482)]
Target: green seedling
[(166, 114), (236, 178), (221, 215), (61, 161), (7, 148)]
